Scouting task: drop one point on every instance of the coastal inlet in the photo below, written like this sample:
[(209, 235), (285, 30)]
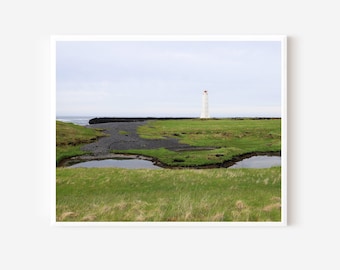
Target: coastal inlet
[(179, 143)]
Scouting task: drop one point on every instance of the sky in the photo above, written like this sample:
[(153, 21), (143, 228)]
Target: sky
[(167, 78)]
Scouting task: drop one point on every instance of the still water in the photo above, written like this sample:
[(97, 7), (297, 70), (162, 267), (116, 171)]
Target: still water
[(117, 163), (78, 120), (253, 162), (258, 162)]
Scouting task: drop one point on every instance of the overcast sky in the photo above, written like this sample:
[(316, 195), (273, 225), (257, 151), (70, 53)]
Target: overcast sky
[(167, 78)]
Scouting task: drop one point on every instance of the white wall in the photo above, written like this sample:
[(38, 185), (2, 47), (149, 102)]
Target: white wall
[(27, 241)]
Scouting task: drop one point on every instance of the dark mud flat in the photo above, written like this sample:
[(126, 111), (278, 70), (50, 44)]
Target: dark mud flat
[(123, 136)]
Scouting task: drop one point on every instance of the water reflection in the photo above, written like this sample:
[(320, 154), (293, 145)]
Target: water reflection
[(253, 162), (117, 163), (258, 162)]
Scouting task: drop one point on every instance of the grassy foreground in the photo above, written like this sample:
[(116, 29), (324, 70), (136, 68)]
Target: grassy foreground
[(112, 194), (223, 138)]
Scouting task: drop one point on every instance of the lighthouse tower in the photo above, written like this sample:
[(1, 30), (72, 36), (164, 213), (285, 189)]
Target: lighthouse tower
[(205, 111)]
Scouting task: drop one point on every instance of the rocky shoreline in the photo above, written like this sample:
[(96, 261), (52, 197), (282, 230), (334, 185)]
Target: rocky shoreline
[(101, 120), (156, 162)]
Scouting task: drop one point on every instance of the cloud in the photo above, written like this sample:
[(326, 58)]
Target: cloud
[(125, 77)]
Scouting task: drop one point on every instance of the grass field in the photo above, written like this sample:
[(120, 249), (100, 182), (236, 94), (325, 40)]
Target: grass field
[(112, 194), (225, 138)]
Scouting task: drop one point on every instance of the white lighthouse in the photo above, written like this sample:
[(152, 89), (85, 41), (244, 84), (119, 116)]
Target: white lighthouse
[(205, 111)]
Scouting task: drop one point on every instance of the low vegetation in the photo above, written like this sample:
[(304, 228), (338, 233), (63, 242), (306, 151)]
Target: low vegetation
[(112, 194), (70, 137), (219, 140)]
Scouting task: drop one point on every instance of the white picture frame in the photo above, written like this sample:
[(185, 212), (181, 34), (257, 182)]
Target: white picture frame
[(281, 39)]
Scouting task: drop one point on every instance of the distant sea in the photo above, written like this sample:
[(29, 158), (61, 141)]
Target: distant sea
[(78, 120)]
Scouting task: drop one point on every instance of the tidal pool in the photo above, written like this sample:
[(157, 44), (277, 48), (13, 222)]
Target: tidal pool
[(117, 163), (252, 162), (258, 162)]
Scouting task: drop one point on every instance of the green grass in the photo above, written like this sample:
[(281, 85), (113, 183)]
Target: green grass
[(229, 137), (112, 194), (123, 132), (70, 137)]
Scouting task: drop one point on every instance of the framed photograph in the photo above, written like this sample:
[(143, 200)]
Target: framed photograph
[(154, 130)]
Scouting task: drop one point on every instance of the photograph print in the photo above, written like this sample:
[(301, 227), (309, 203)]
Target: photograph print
[(169, 130)]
